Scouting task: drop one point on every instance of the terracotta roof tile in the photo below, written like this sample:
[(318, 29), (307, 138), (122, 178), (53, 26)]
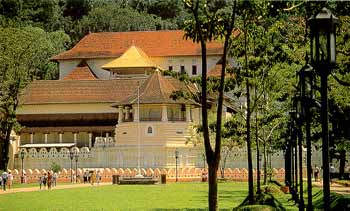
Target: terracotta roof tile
[(81, 72), (154, 89), (215, 71), (78, 91), (153, 43)]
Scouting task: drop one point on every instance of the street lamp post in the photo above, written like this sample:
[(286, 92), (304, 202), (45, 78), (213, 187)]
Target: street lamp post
[(176, 157), (288, 157), (299, 121), (294, 156), (22, 174), (76, 167), (323, 51), (71, 156), (306, 76)]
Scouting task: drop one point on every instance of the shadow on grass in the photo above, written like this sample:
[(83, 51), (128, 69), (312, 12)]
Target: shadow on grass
[(338, 201)]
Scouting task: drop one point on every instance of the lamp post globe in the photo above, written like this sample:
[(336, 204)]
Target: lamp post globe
[(323, 38), (323, 58)]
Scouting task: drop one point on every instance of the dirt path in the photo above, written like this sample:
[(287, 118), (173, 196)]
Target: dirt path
[(36, 188), (335, 187)]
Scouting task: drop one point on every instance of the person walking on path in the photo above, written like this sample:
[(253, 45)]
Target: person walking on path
[(0, 181), (316, 172), (86, 173), (93, 178), (45, 180), (98, 177), (54, 179), (9, 180), (4, 180), (41, 181), (49, 180)]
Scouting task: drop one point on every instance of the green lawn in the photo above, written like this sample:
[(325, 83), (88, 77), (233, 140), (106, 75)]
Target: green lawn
[(127, 197)]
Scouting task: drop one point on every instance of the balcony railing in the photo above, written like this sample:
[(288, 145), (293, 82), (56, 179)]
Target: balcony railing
[(177, 119), (150, 119)]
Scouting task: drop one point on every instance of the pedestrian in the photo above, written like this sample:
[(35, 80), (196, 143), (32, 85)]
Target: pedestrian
[(25, 178), (4, 180), (86, 173), (49, 180), (45, 180), (41, 181), (0, 181), (316, 172), (93, 177), (98, 177), (9, 180), (54, 179)]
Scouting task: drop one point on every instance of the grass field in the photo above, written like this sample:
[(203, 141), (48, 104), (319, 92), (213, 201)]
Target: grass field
[(127, 197)]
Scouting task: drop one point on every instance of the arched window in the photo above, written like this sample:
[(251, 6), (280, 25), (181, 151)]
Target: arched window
[(150, 130)]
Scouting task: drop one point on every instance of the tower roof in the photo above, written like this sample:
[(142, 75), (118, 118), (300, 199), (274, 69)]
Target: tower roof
[(133, 57), (157, 89)]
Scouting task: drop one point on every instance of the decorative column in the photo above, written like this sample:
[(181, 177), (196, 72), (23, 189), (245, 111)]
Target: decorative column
[(60, 135), (127, 113), (75, 138), (164, 113), (136, 114), (32, 138), (120, 115), (45, 135), (188, 113), (90, 140)]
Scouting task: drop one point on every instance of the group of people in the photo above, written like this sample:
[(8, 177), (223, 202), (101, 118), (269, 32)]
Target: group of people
[(6, 179), (48, 179), (92, 177)]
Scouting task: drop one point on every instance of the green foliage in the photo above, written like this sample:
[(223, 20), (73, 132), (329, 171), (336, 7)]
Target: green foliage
[(24, 56), (55, 167), (112, 17)]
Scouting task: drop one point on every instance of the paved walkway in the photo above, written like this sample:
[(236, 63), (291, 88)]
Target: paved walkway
[(65, 186), (335, 187)]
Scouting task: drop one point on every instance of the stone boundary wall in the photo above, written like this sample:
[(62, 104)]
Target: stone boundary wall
[(183, 174)]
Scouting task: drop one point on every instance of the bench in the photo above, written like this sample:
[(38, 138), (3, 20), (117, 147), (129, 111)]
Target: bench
[(137, 181)]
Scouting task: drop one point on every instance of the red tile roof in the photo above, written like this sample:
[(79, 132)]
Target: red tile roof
[(153, 43), (78, 91), (81, 72), (215, 71), (154, 89)]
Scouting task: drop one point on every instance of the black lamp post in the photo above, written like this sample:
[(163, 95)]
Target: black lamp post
[(294, 156), (76, 167), (299, 121), (306, 76), (176, 158), (22, 175), (323, 51), (288, 157), (71, 156)]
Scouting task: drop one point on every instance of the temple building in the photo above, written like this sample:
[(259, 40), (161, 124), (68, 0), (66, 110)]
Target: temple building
[(112, 105)]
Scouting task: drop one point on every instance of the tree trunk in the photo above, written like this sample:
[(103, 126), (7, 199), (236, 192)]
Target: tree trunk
[(257, 152), (265, 164), (249, 150), (213, 187), (5, 143)]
